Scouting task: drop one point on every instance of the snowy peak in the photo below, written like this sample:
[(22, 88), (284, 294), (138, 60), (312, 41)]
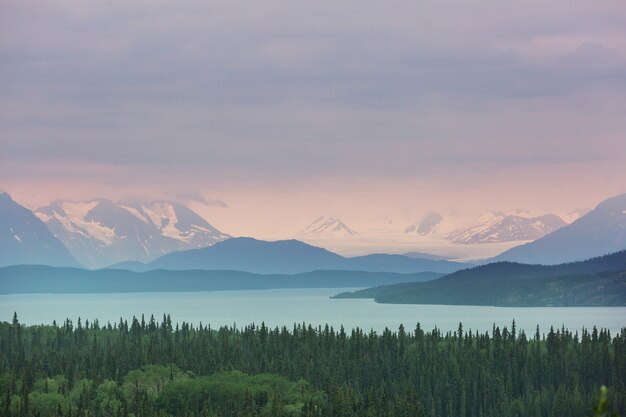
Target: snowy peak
[(101, 232), (76, 218), (500, 227), (176, 221), (328, 226)]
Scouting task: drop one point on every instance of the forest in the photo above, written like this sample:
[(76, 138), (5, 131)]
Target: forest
[(150, 367)]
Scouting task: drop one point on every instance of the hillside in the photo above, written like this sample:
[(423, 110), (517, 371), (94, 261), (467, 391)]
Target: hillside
[(596, 282)]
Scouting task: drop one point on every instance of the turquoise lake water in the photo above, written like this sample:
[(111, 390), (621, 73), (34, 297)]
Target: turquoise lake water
[(289, 306)]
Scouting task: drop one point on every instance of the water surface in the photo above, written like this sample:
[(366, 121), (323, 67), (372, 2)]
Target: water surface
[(289, 306)]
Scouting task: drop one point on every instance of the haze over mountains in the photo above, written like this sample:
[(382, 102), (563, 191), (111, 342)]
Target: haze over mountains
[(450, 234), (150, 235)]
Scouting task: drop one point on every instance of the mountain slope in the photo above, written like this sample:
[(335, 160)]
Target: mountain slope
[(289, 257), (24, 239), (101, 232), (598, 281), (251, 255), (601, 231)]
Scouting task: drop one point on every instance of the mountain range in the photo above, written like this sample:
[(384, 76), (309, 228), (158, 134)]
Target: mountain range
[(507, 228), (491, 227), (220, 262), (151, 235), (19, 279), (286, 257), (100, 232)]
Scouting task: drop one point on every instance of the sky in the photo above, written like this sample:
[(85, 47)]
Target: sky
[(265, 115)]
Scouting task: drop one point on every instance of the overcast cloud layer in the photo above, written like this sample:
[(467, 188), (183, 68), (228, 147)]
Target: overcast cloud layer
[(285, 110)]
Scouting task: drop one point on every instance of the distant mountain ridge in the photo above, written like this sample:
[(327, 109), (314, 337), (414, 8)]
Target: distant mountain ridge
[(21, 279), (101, 232), (424, 255), (288, 257), (24, 239), (600, 231)]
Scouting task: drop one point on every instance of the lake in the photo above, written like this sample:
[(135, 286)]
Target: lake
[(286, 306)]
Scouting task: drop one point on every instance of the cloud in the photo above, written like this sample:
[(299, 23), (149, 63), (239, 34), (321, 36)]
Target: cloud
[(207, 201), (199, 96)]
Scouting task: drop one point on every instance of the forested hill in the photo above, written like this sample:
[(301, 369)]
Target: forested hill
[(46, 279), (596, 282)]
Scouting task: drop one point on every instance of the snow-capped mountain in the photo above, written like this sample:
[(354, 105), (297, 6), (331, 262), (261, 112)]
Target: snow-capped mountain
[(599, 232), (100, 233), (500, 227), (24, 239), (327, 227)]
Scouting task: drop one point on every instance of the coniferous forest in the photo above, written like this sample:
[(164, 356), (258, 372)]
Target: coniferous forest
[(150, 367)]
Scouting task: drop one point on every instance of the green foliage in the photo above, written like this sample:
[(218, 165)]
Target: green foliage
[(151, 379), (602, 409), (47, 404), (258, 393)]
